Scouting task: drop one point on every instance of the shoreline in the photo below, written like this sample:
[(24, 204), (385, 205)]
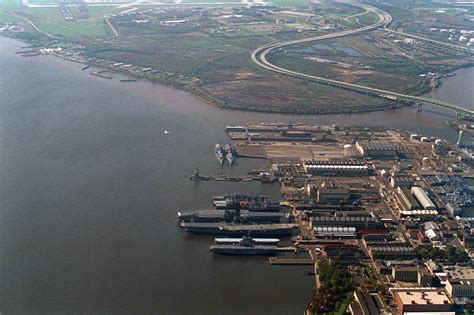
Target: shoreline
[(212, 100)]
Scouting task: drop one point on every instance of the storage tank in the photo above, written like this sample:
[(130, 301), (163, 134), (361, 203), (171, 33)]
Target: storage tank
[(438, 141), (413, 136), (347, 150), (424, 139), (425, 162)]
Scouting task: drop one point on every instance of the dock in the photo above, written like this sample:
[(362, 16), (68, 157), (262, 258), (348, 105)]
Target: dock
[(291, 261), (226, 178), (97, 74)]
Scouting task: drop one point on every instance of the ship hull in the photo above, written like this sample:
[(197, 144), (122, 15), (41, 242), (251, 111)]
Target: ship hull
[(220, 216), (236, 250), (253, 230)]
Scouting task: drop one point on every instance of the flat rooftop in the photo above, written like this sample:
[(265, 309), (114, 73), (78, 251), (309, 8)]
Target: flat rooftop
[(422, 296), (462, 273)]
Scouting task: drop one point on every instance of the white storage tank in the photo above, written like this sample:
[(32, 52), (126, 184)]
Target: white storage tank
[(424, 139), (347, 150)]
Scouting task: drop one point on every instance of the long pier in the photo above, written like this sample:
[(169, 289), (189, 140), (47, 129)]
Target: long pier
[(291, 261), (259, 57)]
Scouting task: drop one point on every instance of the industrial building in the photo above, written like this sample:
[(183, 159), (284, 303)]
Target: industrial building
[(422, 301), (423, 215), (358, 222), (391, 252), (460, 288), (336, 168), (401, 181), (420, 275), (461, 283), (377, 149), (334, 232), (406, 200), (333, 195), (366, 303), (406, 274), (423, 198)]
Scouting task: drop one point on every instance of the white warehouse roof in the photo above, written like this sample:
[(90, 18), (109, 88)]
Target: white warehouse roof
[(423, 198)]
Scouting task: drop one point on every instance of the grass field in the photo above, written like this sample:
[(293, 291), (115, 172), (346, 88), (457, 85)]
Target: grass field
[(51, 21), (289, 3), (10, 4)]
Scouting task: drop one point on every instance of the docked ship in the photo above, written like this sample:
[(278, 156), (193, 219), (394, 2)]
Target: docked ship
[(255, 241), (231, 216), (232, 229), (245, 202), (219, 151), (246, 246), (229, 153)]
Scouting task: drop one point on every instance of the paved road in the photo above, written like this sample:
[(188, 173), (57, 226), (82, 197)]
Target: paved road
[(259, 57), (32, 24)]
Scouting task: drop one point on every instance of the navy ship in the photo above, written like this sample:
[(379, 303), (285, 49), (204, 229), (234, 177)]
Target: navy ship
[(220, 153), (245, 247), (255, 241), (229, 153), (245, 202), (232, 229), (231, 216)]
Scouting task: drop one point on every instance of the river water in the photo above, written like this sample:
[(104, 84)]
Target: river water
[(90, 186)]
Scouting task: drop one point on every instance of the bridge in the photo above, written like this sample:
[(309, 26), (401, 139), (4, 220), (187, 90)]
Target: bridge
[(259, 57)]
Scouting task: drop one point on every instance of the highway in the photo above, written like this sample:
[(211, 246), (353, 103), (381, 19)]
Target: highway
[(259, 57)]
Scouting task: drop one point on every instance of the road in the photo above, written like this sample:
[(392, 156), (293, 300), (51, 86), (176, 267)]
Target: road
[(31, 23), (437, 42), (259, 57)]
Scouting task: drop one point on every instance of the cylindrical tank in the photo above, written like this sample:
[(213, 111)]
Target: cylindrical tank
[(424, 139), (347, 150), (425, 162), (438, 141), (413, 136)]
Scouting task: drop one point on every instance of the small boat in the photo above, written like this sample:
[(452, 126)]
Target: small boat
[(166, 132), (219, 151), (229, 154)]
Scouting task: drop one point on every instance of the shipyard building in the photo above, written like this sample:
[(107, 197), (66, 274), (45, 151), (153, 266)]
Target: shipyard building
[(422, 301), (342, 168), (377, 149)]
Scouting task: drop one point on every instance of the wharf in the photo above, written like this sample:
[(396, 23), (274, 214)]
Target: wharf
[(31, 54), (26, 52), (101, 75), (225, 178), (291, 261)]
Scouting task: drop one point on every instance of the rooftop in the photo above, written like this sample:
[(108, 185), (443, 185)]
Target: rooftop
[(422, 296)]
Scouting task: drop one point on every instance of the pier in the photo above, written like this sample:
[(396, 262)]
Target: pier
[(196, 177), (291, 261)]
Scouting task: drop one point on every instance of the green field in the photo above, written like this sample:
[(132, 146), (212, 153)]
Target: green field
[(9, 4), (291, 3), (51, 21)]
